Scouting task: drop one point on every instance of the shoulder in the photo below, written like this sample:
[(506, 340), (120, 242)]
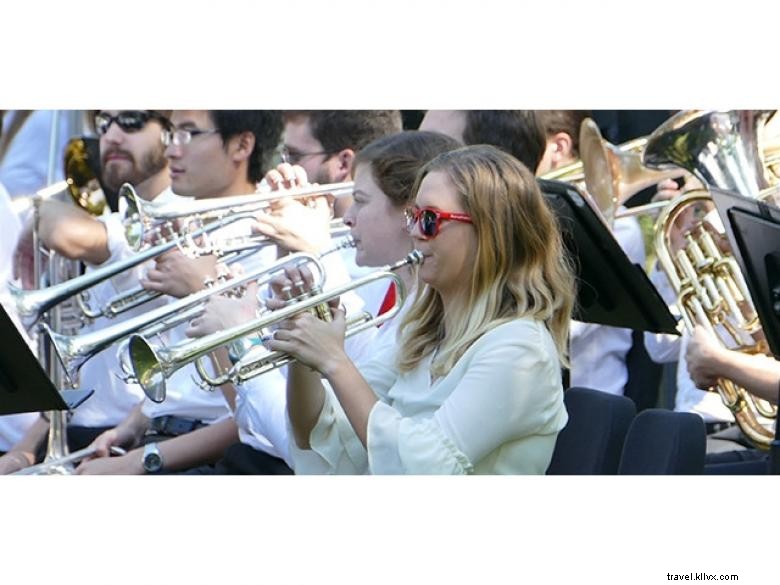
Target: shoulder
[(524, 335)]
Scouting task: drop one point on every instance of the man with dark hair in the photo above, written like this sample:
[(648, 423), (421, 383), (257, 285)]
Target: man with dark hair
[(517, 132), (130, 151), (211, 154), (265, 125), (246, 140), (324, 142)]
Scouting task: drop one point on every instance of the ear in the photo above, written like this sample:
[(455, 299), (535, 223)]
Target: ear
[(242, 146), (562, 146), (344, 159)]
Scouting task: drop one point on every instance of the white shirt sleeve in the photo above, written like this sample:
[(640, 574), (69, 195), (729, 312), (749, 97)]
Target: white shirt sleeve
[(335, 447), (501, 397)]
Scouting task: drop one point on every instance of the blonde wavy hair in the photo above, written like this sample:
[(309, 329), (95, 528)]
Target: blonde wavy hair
[(522, 268)]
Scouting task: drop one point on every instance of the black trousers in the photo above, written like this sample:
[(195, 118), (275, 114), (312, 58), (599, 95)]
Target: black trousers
[(241, 459), (78, 438)]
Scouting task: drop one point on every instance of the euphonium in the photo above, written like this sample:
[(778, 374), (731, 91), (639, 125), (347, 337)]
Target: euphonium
[(153, 365), (721, 149)]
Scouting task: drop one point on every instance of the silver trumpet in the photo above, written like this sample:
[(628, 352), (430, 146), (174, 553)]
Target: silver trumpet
[(141, 217), (74, 350), (32, 304), (64, 465), (153, 364)]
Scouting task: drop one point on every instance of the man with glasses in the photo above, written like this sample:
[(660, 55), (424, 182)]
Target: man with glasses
[(131, 151), (324, 142), (211, 154)]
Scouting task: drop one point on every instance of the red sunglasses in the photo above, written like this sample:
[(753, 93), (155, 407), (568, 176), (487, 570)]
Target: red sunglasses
[(429, 220)]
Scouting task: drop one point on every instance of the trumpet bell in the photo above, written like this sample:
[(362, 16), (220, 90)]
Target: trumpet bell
[(147, 367)]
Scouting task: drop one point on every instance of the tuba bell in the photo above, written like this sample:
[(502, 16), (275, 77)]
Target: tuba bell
[(722, 149)]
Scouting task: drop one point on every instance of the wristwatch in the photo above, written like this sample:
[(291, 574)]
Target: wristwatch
[(152, 461)]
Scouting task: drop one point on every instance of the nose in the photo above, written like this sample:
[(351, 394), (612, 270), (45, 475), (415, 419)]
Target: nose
[(114, 133), (349, 218), (173, 151), (413, 229)]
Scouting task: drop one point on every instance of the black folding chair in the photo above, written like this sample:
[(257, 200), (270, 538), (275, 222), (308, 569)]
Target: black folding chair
[(592, 440)]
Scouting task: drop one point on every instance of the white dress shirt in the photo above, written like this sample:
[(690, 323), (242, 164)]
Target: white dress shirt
[(598, 352)]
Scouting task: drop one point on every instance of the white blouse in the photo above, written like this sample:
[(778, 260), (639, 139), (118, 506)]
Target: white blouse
[(498, 411)]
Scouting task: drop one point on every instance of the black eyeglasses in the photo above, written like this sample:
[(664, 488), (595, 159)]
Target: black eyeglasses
[(180, 136), (293, 157), (128, 120)]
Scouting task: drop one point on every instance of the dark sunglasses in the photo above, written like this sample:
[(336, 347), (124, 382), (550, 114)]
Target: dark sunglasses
[(128, 120), (429, 220)]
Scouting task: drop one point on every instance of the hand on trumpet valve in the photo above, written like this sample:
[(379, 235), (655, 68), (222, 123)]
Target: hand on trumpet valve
[(223, 312), (311, 341), (177, 275), (295, 283), (286, 176), (296, 225)]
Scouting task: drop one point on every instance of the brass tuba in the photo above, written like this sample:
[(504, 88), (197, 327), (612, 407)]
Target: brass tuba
[(722, 149)]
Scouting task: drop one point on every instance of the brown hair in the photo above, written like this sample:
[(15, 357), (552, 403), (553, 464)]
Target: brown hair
[(395, 160), (568, 121)]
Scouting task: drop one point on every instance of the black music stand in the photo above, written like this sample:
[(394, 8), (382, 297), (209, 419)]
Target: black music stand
[(753, 229), (24, 387), (612, 290)]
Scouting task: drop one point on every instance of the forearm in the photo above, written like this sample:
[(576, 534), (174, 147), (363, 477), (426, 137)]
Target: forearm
[(221, 362), (355, 395), (131, 430), (73, 233), (32, 440), (759, 374), (305, 399), (202, 446)]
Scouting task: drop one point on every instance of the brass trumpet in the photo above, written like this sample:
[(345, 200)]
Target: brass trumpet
[(153, 365)]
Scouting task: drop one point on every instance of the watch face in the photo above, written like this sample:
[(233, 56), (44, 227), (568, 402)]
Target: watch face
[(152, 462)]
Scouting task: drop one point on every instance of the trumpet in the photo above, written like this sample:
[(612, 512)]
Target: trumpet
[(64, 465), (32, 304), (140, 216), (74, 350), (153, 365)]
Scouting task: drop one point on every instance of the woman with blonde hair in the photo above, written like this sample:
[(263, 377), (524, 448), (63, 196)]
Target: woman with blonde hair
[(473, 384)]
